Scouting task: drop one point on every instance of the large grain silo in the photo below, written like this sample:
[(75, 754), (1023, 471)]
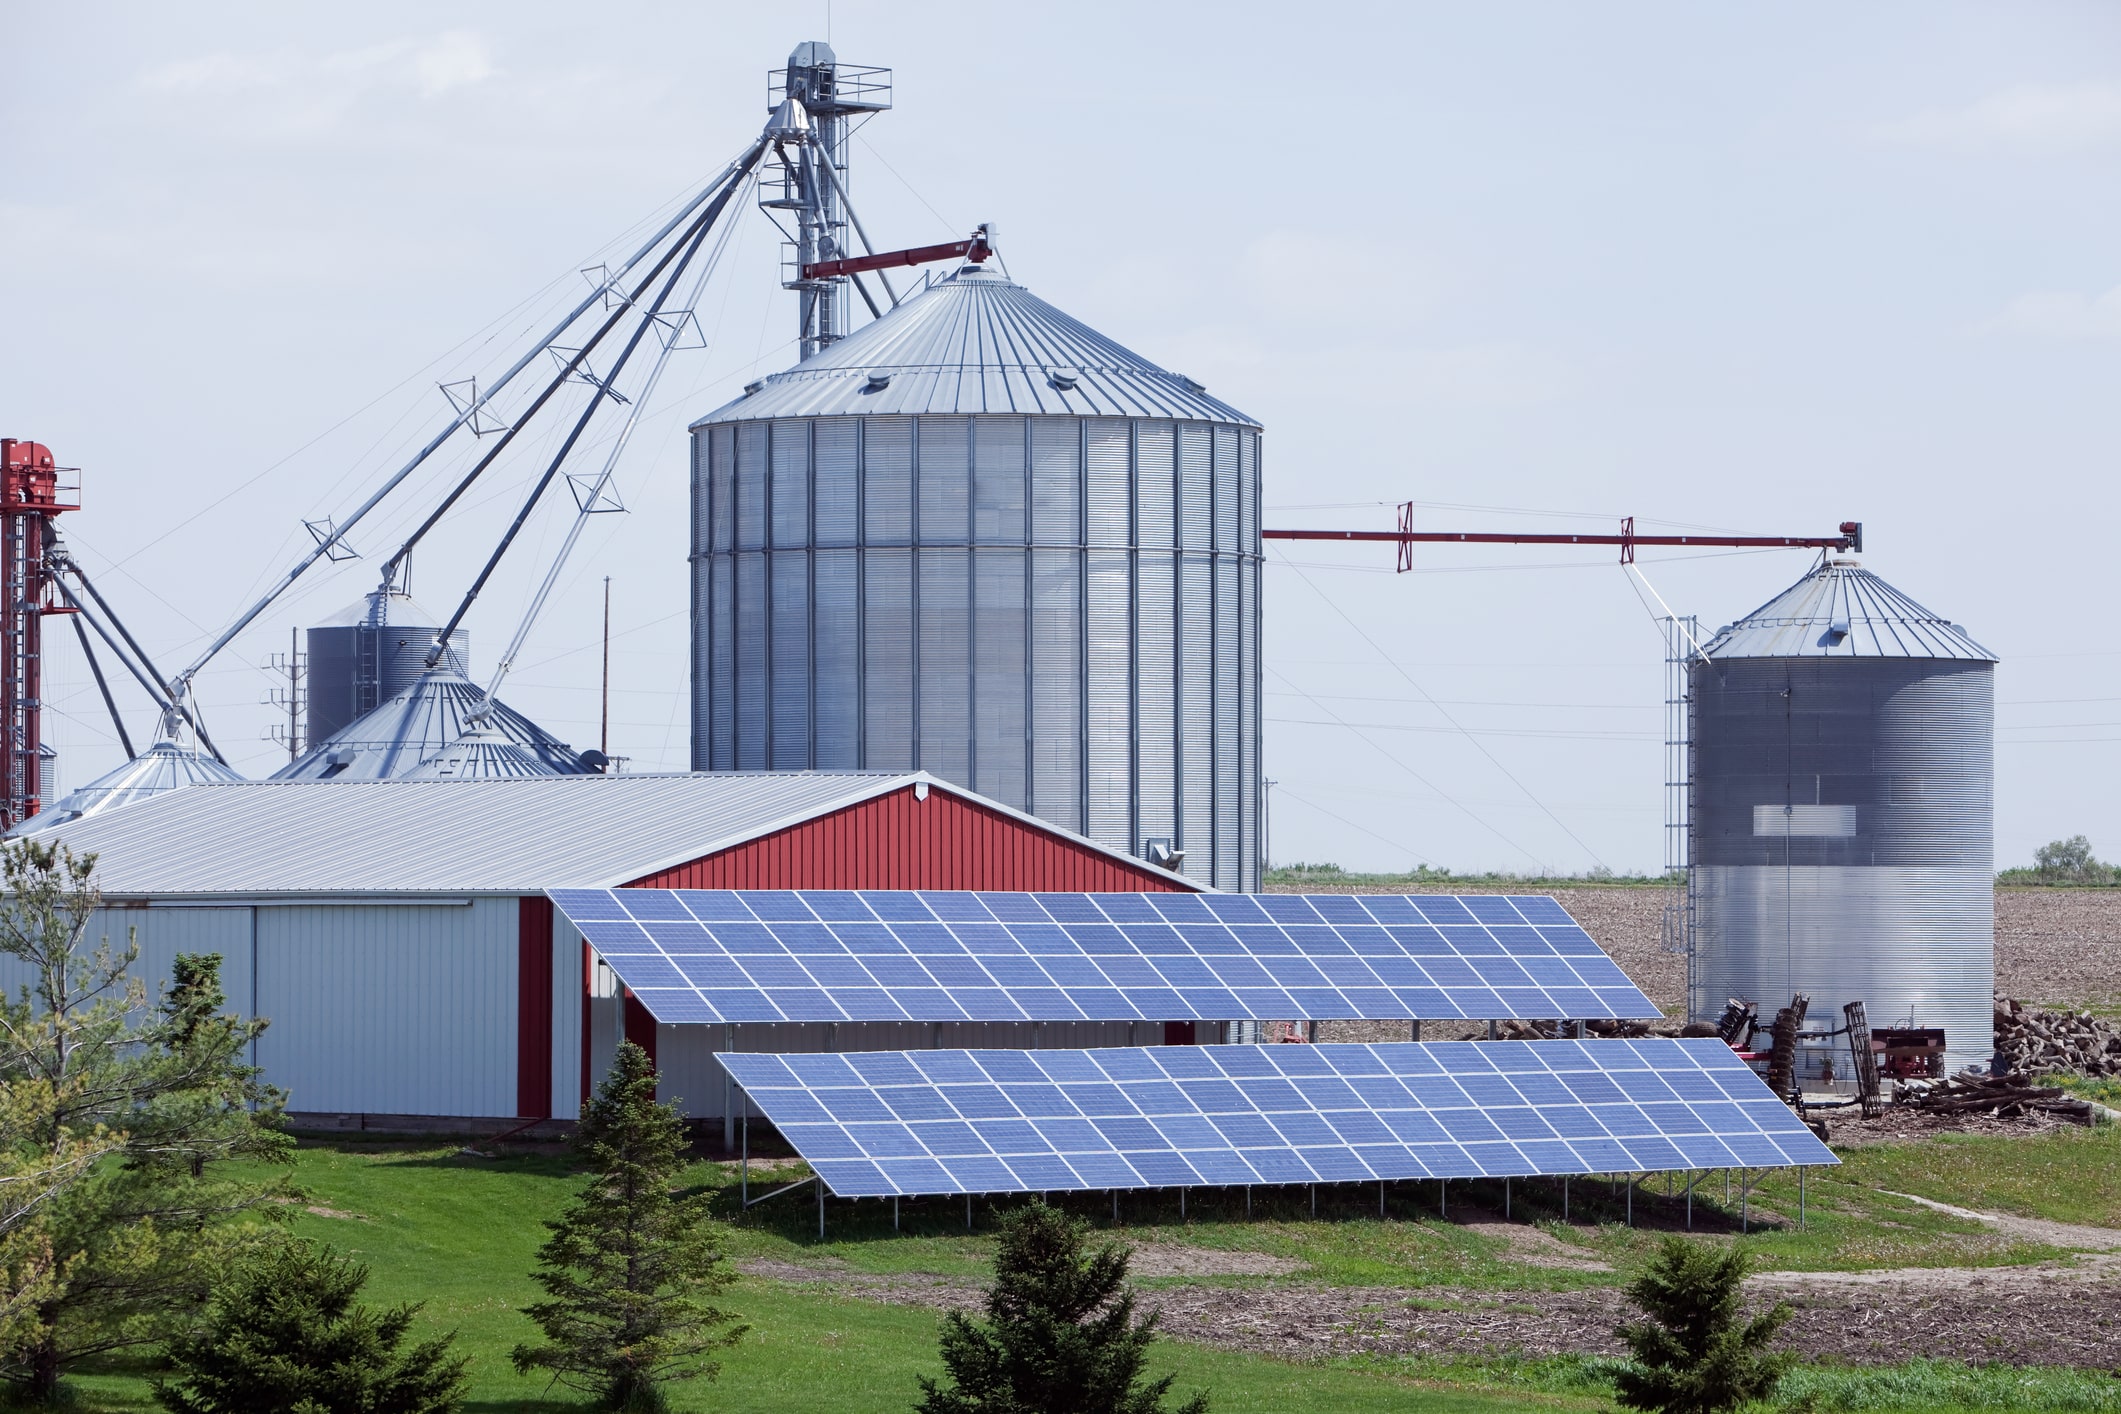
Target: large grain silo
[(981, 539), (1843, 742), (367, 654)]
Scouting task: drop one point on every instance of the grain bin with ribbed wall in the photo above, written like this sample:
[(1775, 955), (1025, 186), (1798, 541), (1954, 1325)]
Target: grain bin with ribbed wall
[(978, 538), (1842, 807)]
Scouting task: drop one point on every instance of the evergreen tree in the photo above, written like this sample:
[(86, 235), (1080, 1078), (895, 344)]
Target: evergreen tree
[(630, 1264), (284, 1333), (1695, 1355), (118, 1253), (1060, 1335)]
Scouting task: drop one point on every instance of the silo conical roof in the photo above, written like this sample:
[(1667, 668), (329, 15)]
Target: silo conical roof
[(163, 767), (975, 341), (482, 754), (1841, 610), (416, 726)]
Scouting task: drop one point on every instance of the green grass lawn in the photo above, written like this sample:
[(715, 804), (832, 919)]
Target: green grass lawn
[(460, 1232)]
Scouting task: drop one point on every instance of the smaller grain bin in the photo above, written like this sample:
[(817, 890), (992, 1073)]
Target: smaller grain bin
[(1842, 808), (367, 654)]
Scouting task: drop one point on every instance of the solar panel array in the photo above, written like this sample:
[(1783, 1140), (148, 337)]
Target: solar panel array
[(723, 956), (875, 1123)]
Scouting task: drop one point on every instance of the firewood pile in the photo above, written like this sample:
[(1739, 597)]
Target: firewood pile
[(2001, 1096), (2031, 1041)]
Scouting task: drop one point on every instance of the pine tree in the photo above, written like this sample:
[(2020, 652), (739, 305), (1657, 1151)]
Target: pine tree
[(284, 1332), (1695, 1355), (118, 1253), (1060, 1335), (630, 1264)]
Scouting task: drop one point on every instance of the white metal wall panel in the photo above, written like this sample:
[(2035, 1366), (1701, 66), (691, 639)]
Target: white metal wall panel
[(721, 682), (1110, 725), (1057, 687), (791, 483), (1110, 500), (751, 463), (887, 480), (998, 480), (752, 628), (1196, 716), (999, 678), (836, 627), (945, 480), (835, 482), (1156, 689), (790, 657), (380, 1009), (943, 692), (1229, 873), (887, 659), (567, 1018), (1056, 481), (161, 933)]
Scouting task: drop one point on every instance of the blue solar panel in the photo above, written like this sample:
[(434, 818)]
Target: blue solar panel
[(705, 955), (1006, 1121)]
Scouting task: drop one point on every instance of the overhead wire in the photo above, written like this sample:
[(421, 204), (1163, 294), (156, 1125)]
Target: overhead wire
[(1493, 760)]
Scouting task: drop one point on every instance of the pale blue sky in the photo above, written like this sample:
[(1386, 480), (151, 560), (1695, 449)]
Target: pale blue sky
[(1762, 268)]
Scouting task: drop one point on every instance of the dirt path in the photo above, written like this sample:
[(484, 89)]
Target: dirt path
[(2052, 1313)]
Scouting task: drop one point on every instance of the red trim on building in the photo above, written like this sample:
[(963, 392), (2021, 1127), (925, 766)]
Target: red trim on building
[(533, 1007), (897, 841), (640, 1024)]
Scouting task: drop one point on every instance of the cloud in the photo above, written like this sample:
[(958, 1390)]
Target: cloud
[(2064, 314), (2039, 118), (430, 67)]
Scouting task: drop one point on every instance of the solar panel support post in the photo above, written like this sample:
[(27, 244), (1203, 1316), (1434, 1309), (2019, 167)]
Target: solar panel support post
[(1689, 1200), (1491, 1029), (1506, 1198), (1314, 1200), (894, 1212), (1181, 1205), (1801, 1168), (1631, 1198), (968, 1212), (728, 1094), (1248, 1200), (1414, 1030), (1745, 1217), (821, 1210), (1380, 1200), (1564, 1197), (743, 1166), (1115, 1207), (1443, 1197)]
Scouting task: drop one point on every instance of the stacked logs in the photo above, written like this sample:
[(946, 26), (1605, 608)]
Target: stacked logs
[(2002, 1096), (2030, 1041)]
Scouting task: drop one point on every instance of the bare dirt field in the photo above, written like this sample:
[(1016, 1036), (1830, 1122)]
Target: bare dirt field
[(2054, 947)]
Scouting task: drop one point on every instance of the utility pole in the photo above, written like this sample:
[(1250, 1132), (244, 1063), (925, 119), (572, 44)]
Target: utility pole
[(294, 697)]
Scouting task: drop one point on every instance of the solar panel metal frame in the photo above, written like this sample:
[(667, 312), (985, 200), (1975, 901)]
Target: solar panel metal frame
[(719, 956), (906, 1123)]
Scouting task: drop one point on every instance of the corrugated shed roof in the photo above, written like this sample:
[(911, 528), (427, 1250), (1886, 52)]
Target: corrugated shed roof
[(162, 768), (508, 836), (975, 341), (1841, 610), (418, 725)]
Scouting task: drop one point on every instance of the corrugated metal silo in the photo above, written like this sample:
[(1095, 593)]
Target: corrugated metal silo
[(367, 654), (979, 538), (1842, 799)]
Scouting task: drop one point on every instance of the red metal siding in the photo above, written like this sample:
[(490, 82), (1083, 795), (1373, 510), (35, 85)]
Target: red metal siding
[(640, 1024), (898, 842), (533, 1007)]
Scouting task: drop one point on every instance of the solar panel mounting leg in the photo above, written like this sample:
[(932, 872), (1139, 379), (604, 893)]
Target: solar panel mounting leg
[(744, 1164), (1491, 1031), (1564, 1197), (1443, 1197), (1248, 1200), (1689, 1200), (968, 1212), (1380, 1200), (1631, 1200), (1506, 1198), (894, 1212), (1314, 1200), (821, 1210), (1745, 1217), (728, 1094), (1801, 1168), (1115, 1207), (1181, 1205), (1414, 1030)]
